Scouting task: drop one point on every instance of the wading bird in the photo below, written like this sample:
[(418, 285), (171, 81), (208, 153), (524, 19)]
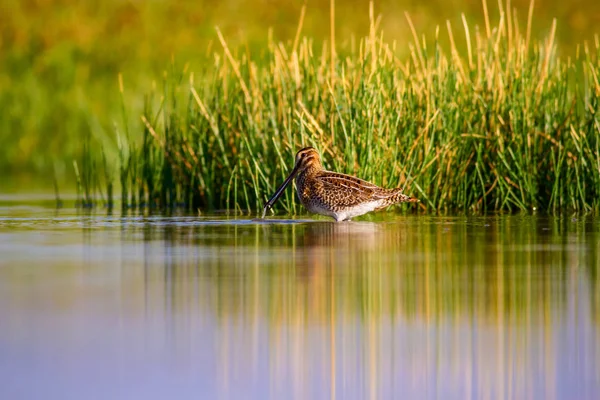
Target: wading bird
[(339, 196)]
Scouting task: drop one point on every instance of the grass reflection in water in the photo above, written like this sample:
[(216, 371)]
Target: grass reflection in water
[(414, 306)]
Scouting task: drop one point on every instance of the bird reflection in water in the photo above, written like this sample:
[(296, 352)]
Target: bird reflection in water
[(352, 244)]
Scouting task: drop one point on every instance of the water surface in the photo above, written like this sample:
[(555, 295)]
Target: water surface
[(112, 306)]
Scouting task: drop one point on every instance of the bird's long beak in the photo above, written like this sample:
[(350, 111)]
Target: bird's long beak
[(280, 189)]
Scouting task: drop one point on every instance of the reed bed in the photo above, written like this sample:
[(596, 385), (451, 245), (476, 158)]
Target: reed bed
[(506, 124)]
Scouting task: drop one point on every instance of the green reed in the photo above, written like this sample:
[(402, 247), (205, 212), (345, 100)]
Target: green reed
[(505, 125)]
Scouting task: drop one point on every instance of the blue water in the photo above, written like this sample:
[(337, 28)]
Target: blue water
[(102, 306)]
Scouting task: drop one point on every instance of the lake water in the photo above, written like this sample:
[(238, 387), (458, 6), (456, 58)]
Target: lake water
[(110, 306)]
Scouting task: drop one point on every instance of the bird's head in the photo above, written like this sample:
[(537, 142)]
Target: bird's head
[(306, 158)]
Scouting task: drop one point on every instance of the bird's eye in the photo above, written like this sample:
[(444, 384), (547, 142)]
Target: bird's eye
[(303, 155)]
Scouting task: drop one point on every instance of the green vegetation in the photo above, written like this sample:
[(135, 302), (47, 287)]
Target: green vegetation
[(510, 125), (479, 119)]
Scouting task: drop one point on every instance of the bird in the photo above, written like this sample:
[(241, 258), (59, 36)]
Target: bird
[(333, 194)]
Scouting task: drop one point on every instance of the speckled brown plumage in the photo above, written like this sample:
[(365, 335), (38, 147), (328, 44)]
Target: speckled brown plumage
[(333, 194)]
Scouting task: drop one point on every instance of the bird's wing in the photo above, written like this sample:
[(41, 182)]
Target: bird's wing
[(350, 191)]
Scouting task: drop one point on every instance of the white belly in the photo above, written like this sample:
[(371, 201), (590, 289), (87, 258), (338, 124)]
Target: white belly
[(347, 213)]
